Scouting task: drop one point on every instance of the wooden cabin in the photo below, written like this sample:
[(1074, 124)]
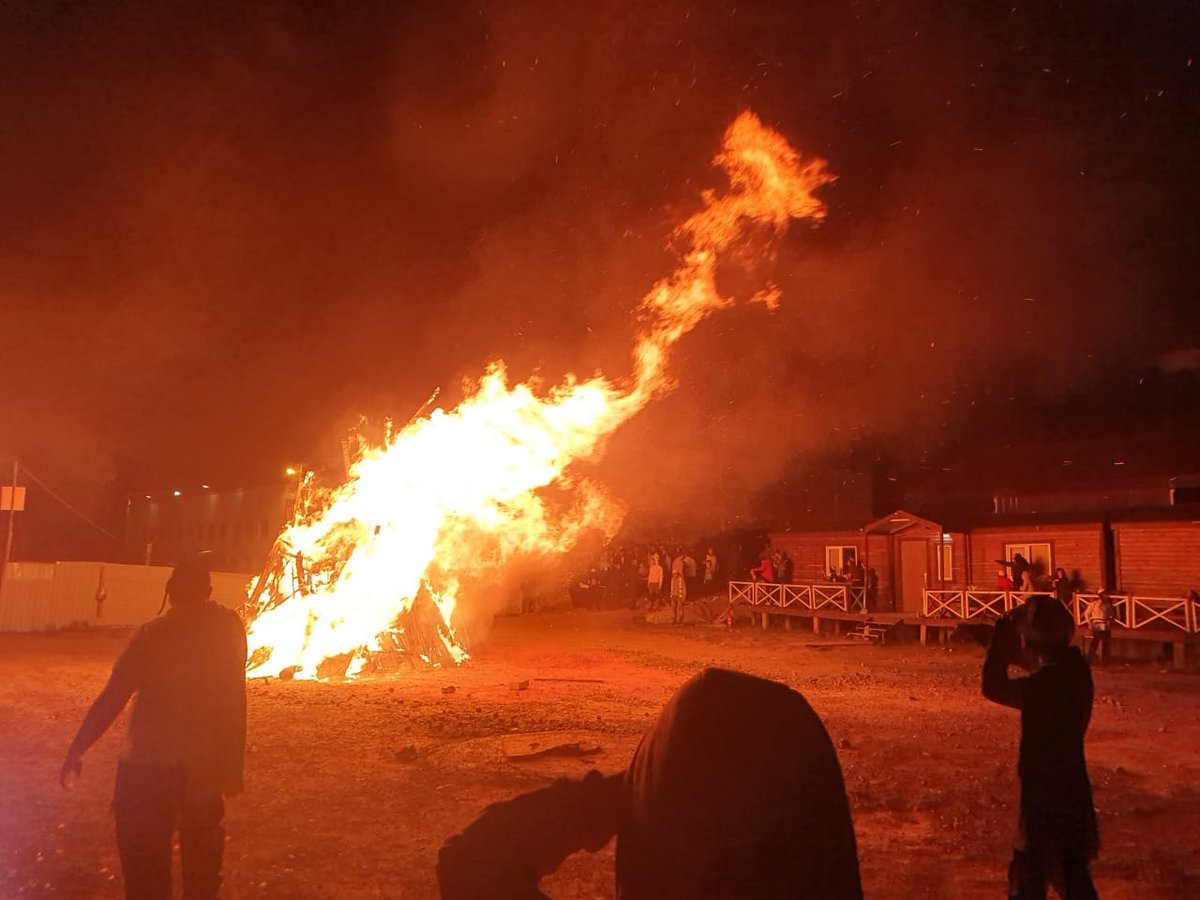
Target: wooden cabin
[(908, 554), (1153, 553)]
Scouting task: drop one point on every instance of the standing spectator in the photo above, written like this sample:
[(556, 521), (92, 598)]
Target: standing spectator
[(1101, 613), (1020, 568), (764, 571), (678, 588), (529, 598), (1003, 582), (871, 594), (1026, 584), (1057, 825), (689, 572), (629, 578), (710, 571), (783, 568), (1064, 590), (654, 581), (186, 743)]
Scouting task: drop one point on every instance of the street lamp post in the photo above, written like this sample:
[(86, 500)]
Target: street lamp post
[(12, 514)]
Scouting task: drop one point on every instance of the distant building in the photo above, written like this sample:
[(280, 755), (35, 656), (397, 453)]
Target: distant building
[(1082, 477), (1154, 553), (238, 525), (1120, 512)]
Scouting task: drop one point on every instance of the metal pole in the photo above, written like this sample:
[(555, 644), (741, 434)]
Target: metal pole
[(12, 514)]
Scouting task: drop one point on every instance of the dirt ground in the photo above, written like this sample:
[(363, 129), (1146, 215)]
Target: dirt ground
[(352, 787)]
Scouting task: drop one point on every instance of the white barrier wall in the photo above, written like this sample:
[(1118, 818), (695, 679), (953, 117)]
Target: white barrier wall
[(46, 596)]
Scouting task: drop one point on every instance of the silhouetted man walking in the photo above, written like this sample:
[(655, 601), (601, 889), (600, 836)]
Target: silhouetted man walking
[(186, 740)]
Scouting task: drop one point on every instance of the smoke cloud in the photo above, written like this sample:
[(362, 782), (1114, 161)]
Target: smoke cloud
[(230, 233)]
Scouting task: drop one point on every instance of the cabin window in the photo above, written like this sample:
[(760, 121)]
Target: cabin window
[(1038, 555), (837, 557), (945, 559)]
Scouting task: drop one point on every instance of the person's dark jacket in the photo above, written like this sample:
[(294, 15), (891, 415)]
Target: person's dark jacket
[(783, 572), (1055, 701)]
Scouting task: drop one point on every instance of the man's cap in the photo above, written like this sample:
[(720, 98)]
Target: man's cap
[(191, 575), (1048, 621)]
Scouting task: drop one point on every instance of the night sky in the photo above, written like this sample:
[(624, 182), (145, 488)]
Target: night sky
[(232, 229)]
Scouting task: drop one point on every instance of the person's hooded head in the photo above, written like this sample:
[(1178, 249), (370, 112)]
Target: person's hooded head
[(736, 792), (1047, 625), (190, 583)]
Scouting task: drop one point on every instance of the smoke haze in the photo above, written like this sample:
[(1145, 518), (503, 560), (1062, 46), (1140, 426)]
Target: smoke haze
[(229, 232)]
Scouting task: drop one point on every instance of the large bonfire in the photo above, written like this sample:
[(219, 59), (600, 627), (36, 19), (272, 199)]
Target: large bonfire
[(381, 563)]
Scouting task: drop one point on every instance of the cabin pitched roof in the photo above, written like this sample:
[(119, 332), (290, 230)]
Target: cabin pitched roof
[(897, 522)]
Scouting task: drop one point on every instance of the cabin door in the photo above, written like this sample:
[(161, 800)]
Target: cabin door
[(914, 562)]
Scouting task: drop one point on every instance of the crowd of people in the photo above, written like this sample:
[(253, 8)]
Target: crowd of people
[(1100, 614), (1019, 574), (777, 568), (653, 576), (663, 575)]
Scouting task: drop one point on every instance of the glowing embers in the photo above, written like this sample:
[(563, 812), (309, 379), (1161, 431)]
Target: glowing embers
[(427, 516)]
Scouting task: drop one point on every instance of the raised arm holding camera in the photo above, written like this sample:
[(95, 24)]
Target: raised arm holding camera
[(1058, 834)]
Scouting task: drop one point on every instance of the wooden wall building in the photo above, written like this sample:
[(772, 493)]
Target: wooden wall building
[(1151, 553), (1157, 556), (1077, 547)]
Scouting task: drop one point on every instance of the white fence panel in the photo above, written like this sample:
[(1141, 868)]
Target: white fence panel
[(76, 585), (45, 596), (135, 593), (27, 596)]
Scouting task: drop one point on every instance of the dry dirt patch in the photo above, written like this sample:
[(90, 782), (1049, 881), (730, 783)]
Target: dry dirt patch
[(352, 787)]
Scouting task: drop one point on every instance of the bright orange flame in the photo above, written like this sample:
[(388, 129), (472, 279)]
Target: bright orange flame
[(463, 491)]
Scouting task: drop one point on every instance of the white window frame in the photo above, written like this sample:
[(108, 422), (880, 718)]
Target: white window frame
[(1031, 556), (835, 556), (945, 559)]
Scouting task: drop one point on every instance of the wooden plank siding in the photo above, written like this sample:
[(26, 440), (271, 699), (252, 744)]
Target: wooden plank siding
[(1157, 558), (879, 558), (1076, 548)]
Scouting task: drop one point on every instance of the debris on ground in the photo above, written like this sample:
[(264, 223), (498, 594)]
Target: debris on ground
[(573, 749)]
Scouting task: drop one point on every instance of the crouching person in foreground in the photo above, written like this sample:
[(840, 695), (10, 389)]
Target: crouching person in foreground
[(735, 792), (1058, 834), (186, 742)]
